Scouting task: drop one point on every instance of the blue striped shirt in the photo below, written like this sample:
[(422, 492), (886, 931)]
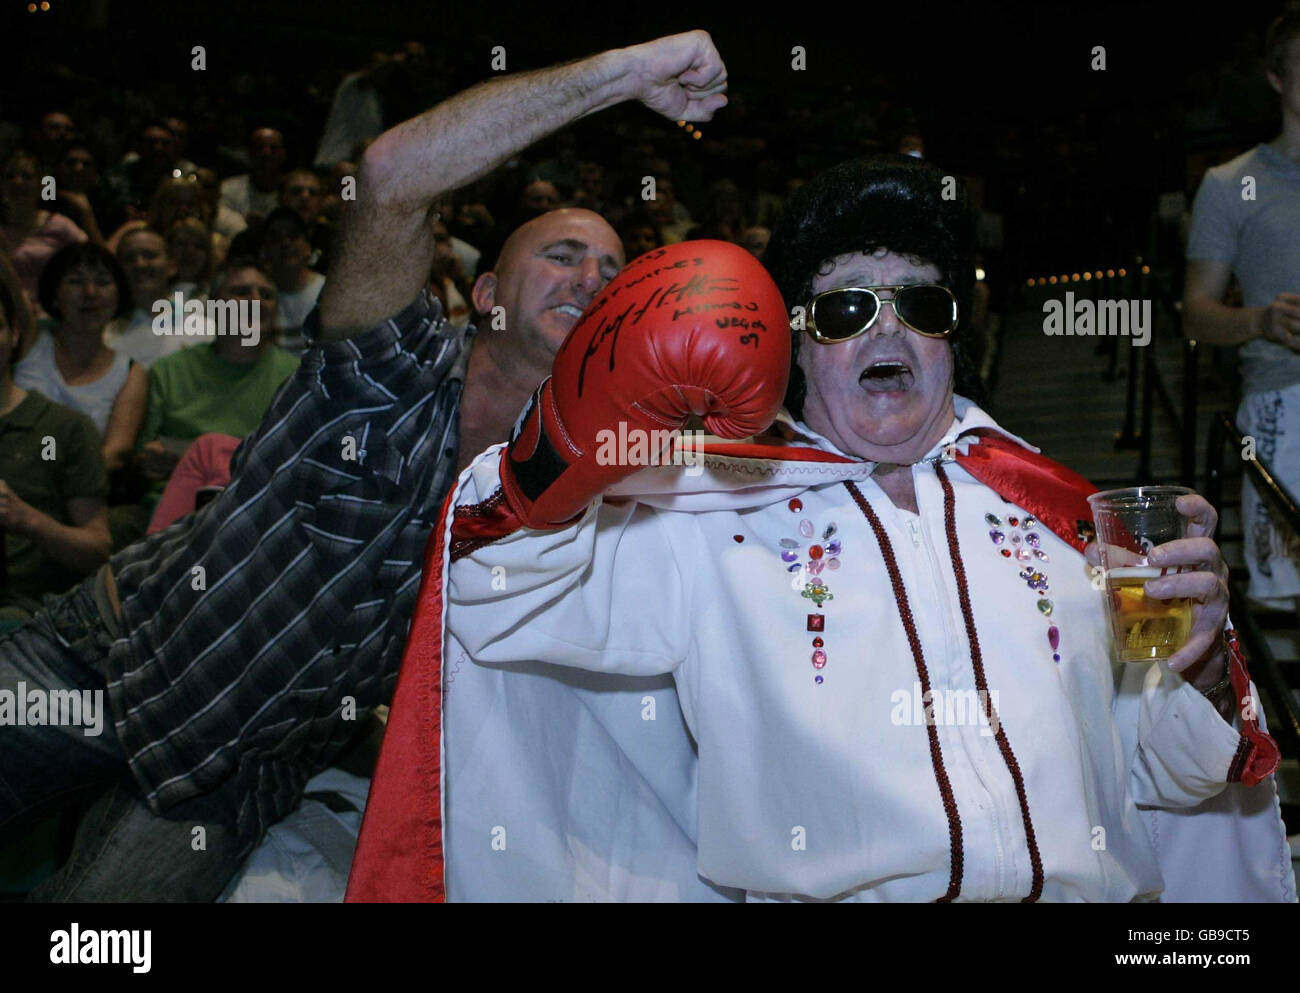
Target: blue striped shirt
[(255, 626)]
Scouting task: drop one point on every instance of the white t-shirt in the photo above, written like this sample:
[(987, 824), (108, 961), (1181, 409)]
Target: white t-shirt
[(38, 371), (138, 339), (239, 194), (1247, 213), (292, 308)]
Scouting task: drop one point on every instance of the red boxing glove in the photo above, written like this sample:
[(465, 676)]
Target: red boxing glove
[(694, 328)]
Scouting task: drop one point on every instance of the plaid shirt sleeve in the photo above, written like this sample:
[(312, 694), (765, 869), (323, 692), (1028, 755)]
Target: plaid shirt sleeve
[(252, 626)]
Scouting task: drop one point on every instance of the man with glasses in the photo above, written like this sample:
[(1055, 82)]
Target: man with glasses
[(879, 620)]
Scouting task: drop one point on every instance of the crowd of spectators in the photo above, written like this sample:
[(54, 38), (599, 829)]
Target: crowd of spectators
[(126, 208)]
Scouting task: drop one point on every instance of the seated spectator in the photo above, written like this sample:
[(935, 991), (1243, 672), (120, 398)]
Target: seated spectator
[(53, 516), (81, 196), (723, 217), (177, 198), (669, 213), (332, 197), (52, 139), (536, 198), (150, 271), (219, 218), (467, 256), (302, 191), (28, 232), (285, 253), (82, 288), (204, 468), (253, 194), (639, 233), (754, 240), (591, 192), (189, 245), (447, 280), (224, 385), (134, 181)]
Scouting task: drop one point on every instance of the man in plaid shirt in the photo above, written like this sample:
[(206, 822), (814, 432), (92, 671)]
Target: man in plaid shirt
[(235, 645)]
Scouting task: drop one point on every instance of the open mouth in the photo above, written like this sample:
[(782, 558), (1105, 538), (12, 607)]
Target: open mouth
[(887, 376)]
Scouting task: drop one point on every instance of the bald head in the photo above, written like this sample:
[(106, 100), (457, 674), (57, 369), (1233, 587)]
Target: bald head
[(524, 239), (549, 270)]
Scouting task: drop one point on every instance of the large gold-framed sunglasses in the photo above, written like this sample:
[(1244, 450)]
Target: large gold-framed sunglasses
[(840, 315)]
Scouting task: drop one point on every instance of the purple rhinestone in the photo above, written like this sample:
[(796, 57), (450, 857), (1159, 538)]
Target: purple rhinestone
[(817, 679), (997, 536), (833, 548), (794, 568), (1032, 539), (1054, 637), (790, 556), (1056, 658)]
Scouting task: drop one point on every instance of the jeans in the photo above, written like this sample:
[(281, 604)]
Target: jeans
[(58, 650), (123, 851)]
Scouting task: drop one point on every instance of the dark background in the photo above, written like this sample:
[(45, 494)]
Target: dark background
[(1073, 159)]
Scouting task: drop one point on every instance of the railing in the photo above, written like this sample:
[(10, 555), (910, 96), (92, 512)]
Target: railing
[(1264, 666), (1153, 386)]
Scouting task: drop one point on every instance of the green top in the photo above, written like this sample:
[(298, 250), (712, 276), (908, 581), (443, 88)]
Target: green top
[(193, 392), (48, 456)]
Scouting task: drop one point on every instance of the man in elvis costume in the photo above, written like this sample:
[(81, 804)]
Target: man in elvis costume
[(858, 657)]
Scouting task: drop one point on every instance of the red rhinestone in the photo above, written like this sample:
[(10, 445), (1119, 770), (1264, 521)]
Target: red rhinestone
[(815, 552), (1006, 553), (796, 505), (739, 537), (1013, 521), (818, 643), (816, 622)]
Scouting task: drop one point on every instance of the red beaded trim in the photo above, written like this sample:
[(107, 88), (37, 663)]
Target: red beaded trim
[(1244, 748), (977, 660), (936, 754)]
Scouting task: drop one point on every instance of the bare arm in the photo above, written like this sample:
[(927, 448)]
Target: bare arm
[(83, 546), (1209, 320), (125, 418), (386, 247)]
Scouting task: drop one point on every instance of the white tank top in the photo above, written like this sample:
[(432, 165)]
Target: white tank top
[(38, 371)]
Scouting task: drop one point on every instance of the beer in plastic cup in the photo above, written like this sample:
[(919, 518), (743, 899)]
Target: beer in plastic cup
[(1130, 522)]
